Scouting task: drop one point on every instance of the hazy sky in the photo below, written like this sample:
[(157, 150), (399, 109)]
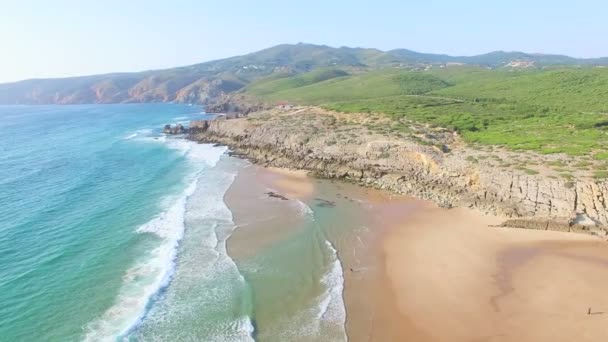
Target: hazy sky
[(76, 37)]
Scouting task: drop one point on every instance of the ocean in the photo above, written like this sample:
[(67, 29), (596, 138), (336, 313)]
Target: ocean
[(112, 231)]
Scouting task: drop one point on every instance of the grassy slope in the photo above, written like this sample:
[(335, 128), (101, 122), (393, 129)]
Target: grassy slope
[(550, 111), (278, 83), (370, 85)]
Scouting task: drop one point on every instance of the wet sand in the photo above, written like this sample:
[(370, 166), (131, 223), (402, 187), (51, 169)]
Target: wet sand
[(362, 214), (256, 217), (415, 272), (373, 313)]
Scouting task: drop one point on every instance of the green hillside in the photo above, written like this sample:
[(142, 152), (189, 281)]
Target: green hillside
[(370, 85), (204, 83), (277, 83), (573, 89), (550, 111)]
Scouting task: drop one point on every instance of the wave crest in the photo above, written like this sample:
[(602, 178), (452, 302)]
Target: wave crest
[(152, 273)]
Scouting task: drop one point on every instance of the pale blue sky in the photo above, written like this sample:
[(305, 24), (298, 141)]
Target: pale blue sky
[(77, 37)]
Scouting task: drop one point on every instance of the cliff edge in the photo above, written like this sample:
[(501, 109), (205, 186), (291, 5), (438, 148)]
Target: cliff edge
[(428, 163)]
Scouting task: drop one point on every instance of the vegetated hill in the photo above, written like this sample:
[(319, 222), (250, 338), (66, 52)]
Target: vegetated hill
[(496, 59), (279, 82), (550, 111), (567, 89), (374, 84), (205, 82), (194, 84)]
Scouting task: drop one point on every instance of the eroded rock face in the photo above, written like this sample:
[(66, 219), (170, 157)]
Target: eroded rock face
[(236, 104), (310, 139)]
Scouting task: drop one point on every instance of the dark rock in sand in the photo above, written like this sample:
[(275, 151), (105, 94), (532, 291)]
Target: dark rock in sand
[(275, 195), (325, 203)]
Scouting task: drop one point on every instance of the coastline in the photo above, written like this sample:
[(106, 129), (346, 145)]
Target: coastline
[(354, 214), (429, 273), (443, 169), (473, 269), (291, 269)]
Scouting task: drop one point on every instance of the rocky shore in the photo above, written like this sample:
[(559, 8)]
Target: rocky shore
[(430, 163)]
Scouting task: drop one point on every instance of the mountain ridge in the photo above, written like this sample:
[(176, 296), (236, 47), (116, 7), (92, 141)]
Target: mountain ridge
[(202, 83)]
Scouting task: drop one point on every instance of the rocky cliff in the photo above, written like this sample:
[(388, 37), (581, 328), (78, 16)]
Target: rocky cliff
[(432, 164), (127, 88)]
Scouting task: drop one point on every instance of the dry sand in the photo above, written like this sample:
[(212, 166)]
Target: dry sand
[(291, 183), (456, 279)]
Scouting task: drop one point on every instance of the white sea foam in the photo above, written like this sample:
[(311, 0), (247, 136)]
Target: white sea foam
[(328, 309), (204, 154), (139, 133), (155, 270), (332, 306), (131, 136), (304, 209), (146, 278), (207, 276)]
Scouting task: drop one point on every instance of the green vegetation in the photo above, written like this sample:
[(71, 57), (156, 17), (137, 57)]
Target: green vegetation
[(600, 174), (528, 171), (281, 82), (558, 105), (372, 85), (548, 111), (601, 156)]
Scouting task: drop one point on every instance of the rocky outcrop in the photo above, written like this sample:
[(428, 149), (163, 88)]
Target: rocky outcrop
[(314, 140), (177, 129), (235, 105)]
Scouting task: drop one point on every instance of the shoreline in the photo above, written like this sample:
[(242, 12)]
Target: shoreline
[(443, 193), (358, 250), (305, 139), (424, 264), (278, 237)]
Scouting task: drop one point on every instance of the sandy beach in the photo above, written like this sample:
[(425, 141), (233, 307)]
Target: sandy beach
[(416, 272), (456, 279)]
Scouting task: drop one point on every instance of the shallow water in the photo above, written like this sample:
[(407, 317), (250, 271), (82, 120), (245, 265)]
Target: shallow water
[(110, 230)]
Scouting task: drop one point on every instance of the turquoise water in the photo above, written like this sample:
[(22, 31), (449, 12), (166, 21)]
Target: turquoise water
[(110, 230), (75, 184)]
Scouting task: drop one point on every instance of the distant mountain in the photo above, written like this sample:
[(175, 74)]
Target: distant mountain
[(204, 82), (497, 58)]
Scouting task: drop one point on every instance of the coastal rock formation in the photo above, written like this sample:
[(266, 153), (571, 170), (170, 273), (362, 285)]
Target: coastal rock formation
[(177, 129), (235, 104), (336, 145)]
